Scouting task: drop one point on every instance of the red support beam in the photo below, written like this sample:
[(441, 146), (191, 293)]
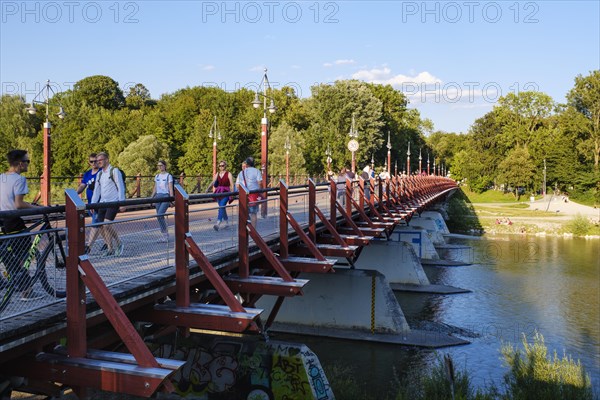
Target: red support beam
[(182, 271), (283, 211), (76, 322), (243, 245)]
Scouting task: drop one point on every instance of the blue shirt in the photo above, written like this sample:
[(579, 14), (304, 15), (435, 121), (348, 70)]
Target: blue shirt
[(89, 179)]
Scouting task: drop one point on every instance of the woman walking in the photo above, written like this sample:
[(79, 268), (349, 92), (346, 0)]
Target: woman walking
[(163, 187), (223, 183)]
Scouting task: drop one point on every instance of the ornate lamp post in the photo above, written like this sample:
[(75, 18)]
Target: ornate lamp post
[(434, 170), (45, 95), (408, 160), (420, 158), (214, 134), (389, 155), (353, 143), (428, 163), (287, 146), (264, 135), (396, 167), (328, 154)]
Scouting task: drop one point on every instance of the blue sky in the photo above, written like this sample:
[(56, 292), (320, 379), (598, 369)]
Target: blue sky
[(453, 59)]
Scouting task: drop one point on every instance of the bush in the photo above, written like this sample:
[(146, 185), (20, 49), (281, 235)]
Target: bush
[(579, 226), (533, 376)]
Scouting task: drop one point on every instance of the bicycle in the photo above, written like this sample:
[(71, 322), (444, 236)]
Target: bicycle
[(37, 266)]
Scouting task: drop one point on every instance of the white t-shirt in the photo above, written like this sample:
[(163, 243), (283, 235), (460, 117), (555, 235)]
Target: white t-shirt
[(253, 178), (107, 189), (162, 182), (11, 185)]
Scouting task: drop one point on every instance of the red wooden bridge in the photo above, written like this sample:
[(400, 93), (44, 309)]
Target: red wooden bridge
[(200, 279)]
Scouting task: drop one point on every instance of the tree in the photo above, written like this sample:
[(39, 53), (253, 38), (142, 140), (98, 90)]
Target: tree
[(141, 156), (17, 127), (585, 98), (516, 170), (100, 91), (138, 96), (520, 115), (277, 151)]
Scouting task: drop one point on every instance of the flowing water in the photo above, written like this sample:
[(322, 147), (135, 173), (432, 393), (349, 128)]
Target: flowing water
[(519, 285)]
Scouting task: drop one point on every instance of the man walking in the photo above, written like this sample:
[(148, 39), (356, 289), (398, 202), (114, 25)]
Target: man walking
[(109, 187), (88, 183), (251, 178), (13, 188)]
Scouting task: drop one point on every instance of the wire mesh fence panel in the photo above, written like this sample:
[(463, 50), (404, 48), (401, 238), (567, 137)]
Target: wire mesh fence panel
[(33, 273), (211, 236), (298, 207), (323, 201), (129, 248)]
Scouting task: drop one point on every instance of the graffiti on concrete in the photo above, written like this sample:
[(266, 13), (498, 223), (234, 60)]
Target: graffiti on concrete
[(243, 368)]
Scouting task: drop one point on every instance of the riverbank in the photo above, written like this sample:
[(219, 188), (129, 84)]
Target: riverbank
[(547, 216)]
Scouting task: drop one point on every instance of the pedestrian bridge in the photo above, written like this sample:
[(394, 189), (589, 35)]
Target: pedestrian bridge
[(200, 278)]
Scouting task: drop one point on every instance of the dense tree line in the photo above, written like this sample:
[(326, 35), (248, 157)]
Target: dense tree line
[(137, 130), (504, 148), (508, 145)]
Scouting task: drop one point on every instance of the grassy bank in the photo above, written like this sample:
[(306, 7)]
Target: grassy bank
[(493, 213)]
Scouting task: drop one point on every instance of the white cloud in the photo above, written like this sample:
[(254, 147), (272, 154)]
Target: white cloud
[(208, 67), (339, 62), (384, 76)]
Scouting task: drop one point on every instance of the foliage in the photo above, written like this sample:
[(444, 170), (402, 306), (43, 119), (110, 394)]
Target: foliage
[(277, 151), (579, 226), (100, 91), (462, 217), (141, 156), (441, 383), (533, 375), (585, 98), (516, 170)]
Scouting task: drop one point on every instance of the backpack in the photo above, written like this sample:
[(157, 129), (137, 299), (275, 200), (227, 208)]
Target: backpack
[(112, 178)]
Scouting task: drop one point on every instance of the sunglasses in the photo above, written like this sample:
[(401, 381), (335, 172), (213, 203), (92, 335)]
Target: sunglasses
[(92, 161), (26, 161), (222, 165)]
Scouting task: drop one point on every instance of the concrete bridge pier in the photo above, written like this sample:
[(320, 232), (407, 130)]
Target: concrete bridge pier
[(354, 304)]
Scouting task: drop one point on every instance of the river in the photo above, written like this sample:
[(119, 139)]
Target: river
[(519, 285)]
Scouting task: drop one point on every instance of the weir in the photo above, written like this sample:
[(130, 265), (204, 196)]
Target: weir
[(278, 275)]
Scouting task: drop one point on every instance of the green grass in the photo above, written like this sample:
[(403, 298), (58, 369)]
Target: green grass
[(492, 196)]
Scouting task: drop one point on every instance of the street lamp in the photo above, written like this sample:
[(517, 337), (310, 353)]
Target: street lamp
[(420, 158), (427, 162), (434, 171), (45, 95), (396, 168), (264, 135), (389, 155), (214, 134), (408, 160), (353, 143), (287, 146), (544, 187), (328, 154)]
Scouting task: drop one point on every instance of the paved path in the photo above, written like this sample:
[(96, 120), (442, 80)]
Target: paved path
[(570, 208)]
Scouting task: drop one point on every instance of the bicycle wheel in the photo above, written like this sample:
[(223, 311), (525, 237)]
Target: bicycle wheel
[(50, 263)]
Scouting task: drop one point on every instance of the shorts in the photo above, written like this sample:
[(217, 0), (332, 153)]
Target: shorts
[(108, 214), (253, 209)]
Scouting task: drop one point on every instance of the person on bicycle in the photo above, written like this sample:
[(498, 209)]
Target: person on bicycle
[(13, 188), (109, 187)]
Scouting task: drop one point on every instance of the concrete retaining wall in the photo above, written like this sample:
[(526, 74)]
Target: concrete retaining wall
[(420, 240)]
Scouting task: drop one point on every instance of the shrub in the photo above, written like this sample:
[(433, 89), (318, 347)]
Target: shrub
[(533, 375), (579, 226)]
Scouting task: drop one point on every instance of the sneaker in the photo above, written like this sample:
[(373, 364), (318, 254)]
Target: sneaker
[(119, 250), (216, 227), (31, 295), (225, 225)]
